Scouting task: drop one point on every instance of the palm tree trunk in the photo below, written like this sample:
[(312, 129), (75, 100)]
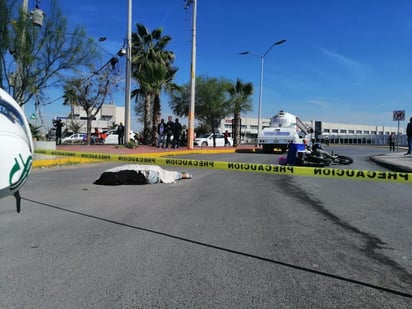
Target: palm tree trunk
[(155, 118), (236, 127), (147, 129)]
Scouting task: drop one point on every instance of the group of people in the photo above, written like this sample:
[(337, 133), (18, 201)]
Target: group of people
[(169, 133)]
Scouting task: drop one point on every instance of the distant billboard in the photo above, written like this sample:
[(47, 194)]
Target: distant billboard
[(398, 115)]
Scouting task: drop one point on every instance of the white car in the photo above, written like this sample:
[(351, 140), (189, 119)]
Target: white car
[(74, 138), (113, 138), (207, 140)]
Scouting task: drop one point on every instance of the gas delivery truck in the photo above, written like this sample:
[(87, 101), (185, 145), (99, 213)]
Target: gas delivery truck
[(285, 128)]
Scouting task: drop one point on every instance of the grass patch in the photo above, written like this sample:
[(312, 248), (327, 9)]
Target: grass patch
[(61, 162)]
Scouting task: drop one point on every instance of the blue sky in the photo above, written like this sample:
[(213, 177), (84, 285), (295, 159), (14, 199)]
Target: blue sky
[(345, 61)]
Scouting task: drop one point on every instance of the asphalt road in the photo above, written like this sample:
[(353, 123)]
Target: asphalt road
[(220, 240)]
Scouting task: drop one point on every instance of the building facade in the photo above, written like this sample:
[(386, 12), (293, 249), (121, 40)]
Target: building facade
[(108, 117), (327, 132)]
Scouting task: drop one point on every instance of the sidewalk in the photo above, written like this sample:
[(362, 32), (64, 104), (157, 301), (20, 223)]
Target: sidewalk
[(144, 150), (395, 161)]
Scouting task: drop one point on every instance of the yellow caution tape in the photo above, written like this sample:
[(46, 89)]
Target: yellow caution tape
[(322, 172)]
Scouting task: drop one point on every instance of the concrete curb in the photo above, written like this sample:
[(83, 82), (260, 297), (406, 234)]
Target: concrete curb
[(41, 160), (391, 163)]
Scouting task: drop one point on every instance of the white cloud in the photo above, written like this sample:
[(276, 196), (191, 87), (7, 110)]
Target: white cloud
[(320, 103), (355, 67)]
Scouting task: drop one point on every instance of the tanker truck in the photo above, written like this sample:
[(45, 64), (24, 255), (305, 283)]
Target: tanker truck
[(285, 128)]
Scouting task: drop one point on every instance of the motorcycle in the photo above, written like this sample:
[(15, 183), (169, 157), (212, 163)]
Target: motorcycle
[(318, 156)]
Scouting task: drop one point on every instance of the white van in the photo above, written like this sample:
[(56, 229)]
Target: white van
[(207, 140), (113, 138)]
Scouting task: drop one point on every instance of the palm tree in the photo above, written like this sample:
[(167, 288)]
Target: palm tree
[(154, 78), (240, 101), (69, 97), (153, 70), (143, 107)]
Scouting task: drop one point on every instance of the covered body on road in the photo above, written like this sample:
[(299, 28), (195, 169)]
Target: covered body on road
[(138, 174)]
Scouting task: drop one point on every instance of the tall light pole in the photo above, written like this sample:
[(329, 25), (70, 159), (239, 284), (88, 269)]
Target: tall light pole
[(18, 91), (262, 58), (128, 75), (37, 20), (191, 118)]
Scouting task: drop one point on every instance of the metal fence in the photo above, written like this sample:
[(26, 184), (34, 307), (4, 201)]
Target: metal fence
[(355, 139), (372, 139)]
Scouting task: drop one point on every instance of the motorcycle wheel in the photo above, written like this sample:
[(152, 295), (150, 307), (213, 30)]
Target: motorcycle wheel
[(343, 160)]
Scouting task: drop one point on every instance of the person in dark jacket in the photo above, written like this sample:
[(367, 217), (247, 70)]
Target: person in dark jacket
[(391, 141), (59, 125), (161, 131), (169, 131), (226, 136), (409, 134), (120, 134), (177, 131)]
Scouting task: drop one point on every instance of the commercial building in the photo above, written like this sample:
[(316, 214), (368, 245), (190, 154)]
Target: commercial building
[(323, 131), (108, 117)]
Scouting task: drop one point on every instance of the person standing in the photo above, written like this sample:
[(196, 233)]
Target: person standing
[(59, 125), (177, 130), (95, 136), (226, 136), (120, 134), (169, 131), (183, 139), (391, 142), (161, 131), (409, 135)]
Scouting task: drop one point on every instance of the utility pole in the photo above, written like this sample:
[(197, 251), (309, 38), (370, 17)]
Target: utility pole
[(37, 20), (191, 120), (128, 75), (18, 91)]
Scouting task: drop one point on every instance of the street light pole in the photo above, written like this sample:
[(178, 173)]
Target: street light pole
[(37, 20), (191, 118), (128, 75), (18, 91), (262, 58)]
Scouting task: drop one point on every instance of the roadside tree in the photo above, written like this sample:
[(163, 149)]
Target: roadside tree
[(34, 58), (90, 93), (152, 68), (211, 101), (240, 101)]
